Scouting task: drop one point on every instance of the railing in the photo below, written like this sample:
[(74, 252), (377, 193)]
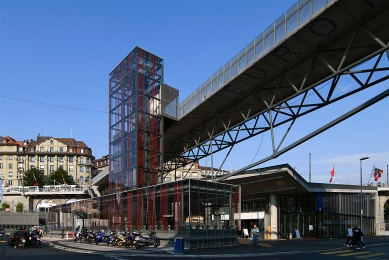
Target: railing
[(48, 189), (291, 21)]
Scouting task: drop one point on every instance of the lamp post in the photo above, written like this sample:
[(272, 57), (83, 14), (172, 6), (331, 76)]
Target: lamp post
[(360, 161)]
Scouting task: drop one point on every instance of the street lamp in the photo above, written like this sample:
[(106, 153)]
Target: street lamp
[(360, 161)]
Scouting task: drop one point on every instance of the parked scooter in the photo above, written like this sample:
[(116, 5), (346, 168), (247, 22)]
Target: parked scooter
[(150, 239), (101, 237)]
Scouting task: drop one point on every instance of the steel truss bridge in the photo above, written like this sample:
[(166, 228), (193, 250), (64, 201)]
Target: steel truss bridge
[(290, 70)]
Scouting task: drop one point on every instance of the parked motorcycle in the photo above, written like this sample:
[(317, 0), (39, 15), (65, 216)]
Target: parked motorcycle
[(112, 238), (150, 239), (91, 237), (101, 237), (129, 240)]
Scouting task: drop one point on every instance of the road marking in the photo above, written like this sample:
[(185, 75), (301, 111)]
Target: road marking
[(336, 252), (371, 255)]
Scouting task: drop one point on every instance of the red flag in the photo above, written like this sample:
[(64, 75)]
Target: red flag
[(377, 173), (332, 173)]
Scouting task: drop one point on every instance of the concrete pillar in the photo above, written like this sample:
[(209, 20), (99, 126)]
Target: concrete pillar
[(273, 217)]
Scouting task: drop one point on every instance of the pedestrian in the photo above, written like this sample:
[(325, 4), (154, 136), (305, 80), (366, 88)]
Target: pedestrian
[(349, 235), (78, 229), (358, 234), (254, 234)]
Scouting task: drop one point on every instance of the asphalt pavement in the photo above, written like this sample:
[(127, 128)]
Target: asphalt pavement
[(244, 247)]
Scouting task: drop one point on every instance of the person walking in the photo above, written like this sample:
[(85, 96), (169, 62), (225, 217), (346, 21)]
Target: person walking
[(349, 236), (358, 234), (254, 234)]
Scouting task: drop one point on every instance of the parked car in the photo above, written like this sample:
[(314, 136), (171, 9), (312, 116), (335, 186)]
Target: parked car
[(2, 231)]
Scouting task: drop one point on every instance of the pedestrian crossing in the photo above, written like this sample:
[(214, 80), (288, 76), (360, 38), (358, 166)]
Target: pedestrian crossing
[(357, 254)]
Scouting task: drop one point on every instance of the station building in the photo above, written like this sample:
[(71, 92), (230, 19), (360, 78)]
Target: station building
[(204, 212)]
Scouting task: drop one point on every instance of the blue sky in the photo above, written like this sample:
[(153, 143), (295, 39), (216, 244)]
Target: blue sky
[(55, 57)]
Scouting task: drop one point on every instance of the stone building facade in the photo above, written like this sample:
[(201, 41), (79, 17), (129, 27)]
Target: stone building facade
[(46, 154)]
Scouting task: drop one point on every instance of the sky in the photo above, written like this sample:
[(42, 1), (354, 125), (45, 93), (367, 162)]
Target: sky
[(55, 58)]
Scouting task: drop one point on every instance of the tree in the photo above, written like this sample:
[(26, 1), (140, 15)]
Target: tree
[(34, 176), (19, 207), (4, 206), (60, 176)]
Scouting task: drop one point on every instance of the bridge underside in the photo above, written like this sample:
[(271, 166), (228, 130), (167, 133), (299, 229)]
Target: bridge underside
[(296, 77)]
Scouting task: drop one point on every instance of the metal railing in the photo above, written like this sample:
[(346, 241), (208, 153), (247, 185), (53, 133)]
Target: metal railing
[(287, 24)]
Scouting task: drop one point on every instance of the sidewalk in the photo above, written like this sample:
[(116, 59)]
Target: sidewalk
[(245, 247)]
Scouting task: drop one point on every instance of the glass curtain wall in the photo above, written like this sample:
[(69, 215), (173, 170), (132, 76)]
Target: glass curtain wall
[(134, 107), (187, 204), (325, 215)]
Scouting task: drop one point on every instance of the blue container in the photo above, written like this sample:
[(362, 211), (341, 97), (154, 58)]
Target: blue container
[(179, 244)]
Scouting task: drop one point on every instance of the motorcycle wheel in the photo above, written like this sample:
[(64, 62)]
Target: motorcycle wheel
[(120, 244), (155, 245), (127, 245), (82, 240), (137, 246), (90, 240), (97, 242), (114, 243), (75, 240)]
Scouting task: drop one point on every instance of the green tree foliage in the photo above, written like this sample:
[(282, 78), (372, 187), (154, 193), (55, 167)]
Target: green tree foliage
[(4, 205), (59, 176), (19, 207), (34, 174)]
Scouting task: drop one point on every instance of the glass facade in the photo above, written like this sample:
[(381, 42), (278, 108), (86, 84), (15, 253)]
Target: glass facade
[(135, 116), (190, 208), (325, 215)]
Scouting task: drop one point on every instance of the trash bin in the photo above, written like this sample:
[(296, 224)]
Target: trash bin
[(179, 244)]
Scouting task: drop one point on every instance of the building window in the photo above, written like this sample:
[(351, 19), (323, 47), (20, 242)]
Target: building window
[(41, 158), (87, 168), (31, 149), (61, 167), (9, 157), (1, 157), (81, 168), (32, 158), (51, 149), (71, 168), (61, 158), (20, 148), (87, 160), (1, 166), (81, 160), (61, 149), (10, 182), (10, 175), (70, 150), (81, 179), (71, 159), (51, 158), (42, 168), (87, 179), (20, 182), (82, 150), (51, 168), (10, 166), (42, 149), (32, 167)]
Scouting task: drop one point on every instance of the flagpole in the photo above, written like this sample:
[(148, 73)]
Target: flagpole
[(372, 170)]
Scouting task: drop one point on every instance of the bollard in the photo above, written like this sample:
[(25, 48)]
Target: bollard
[(179, 244), (63, 233)]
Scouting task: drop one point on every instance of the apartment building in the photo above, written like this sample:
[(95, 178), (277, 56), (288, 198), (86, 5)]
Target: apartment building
[(46, 154)]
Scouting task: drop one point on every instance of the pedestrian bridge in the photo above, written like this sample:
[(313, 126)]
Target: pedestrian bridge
[(52, 190)]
